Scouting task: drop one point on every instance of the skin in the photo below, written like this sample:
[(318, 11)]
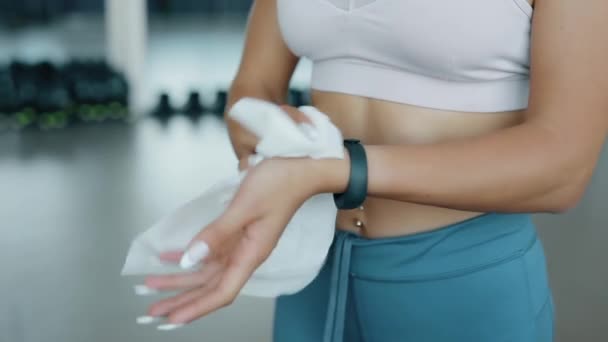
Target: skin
[(446, 167)]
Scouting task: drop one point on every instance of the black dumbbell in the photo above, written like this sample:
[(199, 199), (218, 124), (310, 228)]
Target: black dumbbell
[(99, 91), (193, 108), (163, 110), (7, 99), (26, 83), (118, 96), (78, 74), (26, 89), (219, 106), (53, 101)]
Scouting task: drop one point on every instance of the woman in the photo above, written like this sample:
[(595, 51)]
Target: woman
[(467, 124)]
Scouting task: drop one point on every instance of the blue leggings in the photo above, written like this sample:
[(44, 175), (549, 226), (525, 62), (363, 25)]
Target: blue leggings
[(480, 280)]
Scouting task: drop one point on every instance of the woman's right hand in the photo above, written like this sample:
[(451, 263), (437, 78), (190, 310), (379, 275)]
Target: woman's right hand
[(244, 141)]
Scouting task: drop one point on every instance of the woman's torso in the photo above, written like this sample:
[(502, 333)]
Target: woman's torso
[(381, 122), (383, 68)]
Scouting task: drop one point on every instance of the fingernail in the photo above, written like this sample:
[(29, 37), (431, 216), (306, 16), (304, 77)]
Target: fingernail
[(194, 255), (309, 130), (143, 290), (147, 320), (167, 327)]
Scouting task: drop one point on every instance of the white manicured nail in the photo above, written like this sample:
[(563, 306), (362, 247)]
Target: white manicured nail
[(147, 320), (143, 290), (309, 130), (194, 255), (167, 327)]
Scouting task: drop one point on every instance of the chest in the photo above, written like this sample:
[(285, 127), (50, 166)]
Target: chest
[(449, 33)]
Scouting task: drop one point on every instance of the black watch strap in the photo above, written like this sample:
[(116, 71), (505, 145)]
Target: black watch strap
[(356, 191)]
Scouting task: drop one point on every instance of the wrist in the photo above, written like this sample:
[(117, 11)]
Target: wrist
[(329, 175), (318, 176)]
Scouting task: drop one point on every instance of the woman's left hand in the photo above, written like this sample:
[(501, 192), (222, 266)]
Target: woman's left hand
[(236, 243)]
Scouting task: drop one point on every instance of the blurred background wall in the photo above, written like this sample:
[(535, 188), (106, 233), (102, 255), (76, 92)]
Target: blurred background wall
[(41, 9), (81, 175)]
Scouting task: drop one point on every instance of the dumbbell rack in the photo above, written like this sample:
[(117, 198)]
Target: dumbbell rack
[(48, 96), (194, 108)]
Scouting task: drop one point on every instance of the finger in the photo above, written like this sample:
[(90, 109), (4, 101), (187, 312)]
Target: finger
[(243, 141), (244, 163), (245, 150), (295, 114), (250, 161), (174, 282), (217, 237), (171, 256), (246, 259), (165, 306)]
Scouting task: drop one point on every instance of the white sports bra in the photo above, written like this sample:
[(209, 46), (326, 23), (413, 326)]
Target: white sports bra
[(461, 55)]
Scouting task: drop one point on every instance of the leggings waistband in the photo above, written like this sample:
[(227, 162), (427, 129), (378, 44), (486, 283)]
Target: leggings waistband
[(460, 247)]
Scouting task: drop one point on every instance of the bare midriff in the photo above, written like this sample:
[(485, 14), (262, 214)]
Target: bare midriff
[(379, 122)]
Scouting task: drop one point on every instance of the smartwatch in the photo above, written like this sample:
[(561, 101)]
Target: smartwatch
[(356, 190)]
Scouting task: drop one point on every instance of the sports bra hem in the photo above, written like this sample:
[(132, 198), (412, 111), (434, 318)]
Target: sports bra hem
[(401, 86)]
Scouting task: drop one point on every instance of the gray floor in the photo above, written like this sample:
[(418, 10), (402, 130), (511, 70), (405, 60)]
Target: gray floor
[(70, 202)]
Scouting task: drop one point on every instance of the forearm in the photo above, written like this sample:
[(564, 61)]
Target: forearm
[(257, 89), (520, 169), (517, 169)]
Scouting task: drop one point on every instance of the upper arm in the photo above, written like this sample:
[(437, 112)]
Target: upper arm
[(266, 59), (569, 76)]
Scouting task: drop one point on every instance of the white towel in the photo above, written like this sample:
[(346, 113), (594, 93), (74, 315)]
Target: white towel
[(301, 250)]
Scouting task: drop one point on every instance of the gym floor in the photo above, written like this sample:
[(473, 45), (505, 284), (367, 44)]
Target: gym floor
[(71, 201)]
